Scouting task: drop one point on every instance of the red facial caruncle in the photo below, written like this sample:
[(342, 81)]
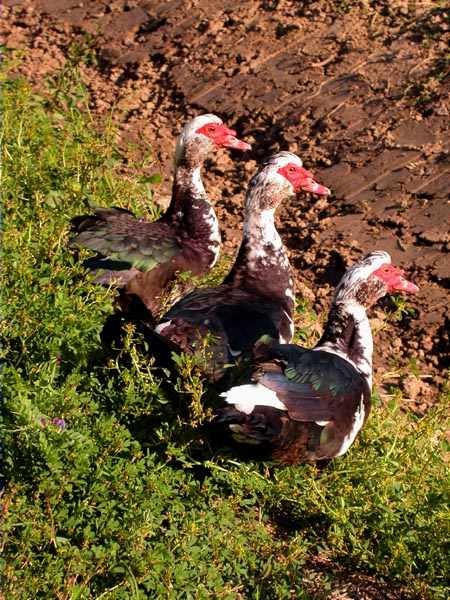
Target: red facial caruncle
[(222, 136), (394, 279), (301, 179)]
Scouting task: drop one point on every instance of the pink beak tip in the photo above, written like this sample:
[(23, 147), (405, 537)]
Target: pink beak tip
[(238, 144), (412, 288), (320, 190)]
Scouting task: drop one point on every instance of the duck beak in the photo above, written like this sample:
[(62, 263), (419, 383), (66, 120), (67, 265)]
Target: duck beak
[(229, 140), (404, 285), (395, 280), (400, 284), (308, 183)]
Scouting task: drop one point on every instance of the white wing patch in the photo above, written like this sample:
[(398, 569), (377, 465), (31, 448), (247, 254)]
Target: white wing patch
[(234, 352), (246, 397), (159, 328)]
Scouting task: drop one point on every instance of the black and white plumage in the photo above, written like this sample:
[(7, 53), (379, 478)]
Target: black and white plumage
[(142, 258), (257, 296), (309, 405)]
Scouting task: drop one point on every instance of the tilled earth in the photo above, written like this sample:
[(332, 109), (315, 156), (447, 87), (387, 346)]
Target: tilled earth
[(358, 89)]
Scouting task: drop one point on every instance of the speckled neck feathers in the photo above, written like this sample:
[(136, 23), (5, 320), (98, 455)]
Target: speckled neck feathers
[(262, 264), (190, 211), (348, 334)]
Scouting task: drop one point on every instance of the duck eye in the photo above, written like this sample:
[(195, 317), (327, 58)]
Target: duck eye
[(211, 128), (292, 169)]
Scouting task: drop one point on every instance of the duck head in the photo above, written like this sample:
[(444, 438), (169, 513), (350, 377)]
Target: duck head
[(200, 136), (370, 279), (280, 177)]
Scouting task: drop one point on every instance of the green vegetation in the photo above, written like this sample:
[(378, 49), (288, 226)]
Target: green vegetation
[(111, 491)]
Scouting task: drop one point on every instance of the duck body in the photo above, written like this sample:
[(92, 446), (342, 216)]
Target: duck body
[(307, 405), (142, 258), (229, 319), (315, 404), (257, 296)]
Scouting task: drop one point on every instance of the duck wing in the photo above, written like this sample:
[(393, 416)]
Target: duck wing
[(233, 314), (123, 241), (230, 320), (317, 386)]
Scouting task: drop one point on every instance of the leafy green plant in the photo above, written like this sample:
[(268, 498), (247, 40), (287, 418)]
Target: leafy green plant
[(402, 308)]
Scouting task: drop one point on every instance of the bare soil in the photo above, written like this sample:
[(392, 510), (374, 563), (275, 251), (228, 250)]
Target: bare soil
[(360, 90)]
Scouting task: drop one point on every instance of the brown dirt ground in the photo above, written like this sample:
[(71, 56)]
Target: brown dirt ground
[(358, 89)]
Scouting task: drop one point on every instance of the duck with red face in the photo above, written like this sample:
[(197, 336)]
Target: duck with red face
[(301, 179), (257, 296), (221, 135), (308, 405), (142, 258), (394, 279)]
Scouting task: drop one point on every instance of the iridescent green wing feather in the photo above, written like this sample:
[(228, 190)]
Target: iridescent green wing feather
[(317, 386), (119, 236)]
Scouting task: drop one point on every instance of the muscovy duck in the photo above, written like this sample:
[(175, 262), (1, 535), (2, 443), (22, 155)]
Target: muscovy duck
[(142, 258), (257, 296), (308, 405)]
